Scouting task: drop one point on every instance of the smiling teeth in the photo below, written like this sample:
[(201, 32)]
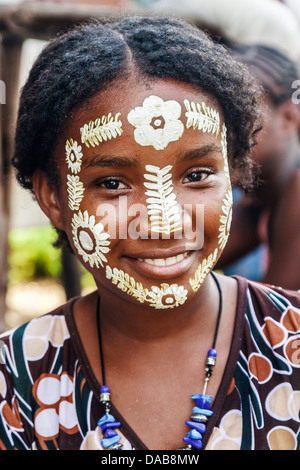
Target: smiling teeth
[(164, 261)]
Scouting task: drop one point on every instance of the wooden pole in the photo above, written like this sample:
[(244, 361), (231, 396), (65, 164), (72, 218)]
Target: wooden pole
[(9, 73)]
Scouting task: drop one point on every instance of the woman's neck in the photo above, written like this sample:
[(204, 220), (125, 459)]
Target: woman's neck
[(127, 318)]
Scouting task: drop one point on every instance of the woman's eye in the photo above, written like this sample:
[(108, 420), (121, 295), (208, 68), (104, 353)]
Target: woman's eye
[(113, 184), (196, 176)]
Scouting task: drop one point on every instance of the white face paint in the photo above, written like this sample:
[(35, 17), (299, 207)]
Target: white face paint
[(100, 130), (203, 270), (202, 117), (89, 239), (225, 220), (224, 151), (75, 191), (73, 156), (162, 206), (226, 216), (163, 297), (157, 123)]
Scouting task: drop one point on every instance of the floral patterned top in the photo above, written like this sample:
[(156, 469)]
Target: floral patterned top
[(49, 396)]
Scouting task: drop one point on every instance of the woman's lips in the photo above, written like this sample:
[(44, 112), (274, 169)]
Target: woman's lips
[(165, 261), (162, 267)]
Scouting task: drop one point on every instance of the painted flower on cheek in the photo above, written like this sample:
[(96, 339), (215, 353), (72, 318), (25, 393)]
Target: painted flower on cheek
[(89, 239), (157, 122)]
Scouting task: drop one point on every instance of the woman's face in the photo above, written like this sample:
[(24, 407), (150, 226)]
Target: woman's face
[(146, 195)]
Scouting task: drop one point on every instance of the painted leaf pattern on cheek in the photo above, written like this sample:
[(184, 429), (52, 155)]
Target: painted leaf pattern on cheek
[(225, 220), (197, 120), (226, 215), (89, 238), (75, 191)]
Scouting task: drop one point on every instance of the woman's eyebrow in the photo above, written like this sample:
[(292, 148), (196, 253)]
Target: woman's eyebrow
[(193, 154), (110, 161)]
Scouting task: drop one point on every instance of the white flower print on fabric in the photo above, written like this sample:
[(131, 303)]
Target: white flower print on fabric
[(228, 435), (73, 155), (75, 191), (42, 331), (156, 122), (89, 239), (225, 220), (57, 409), (163, 297), (162, 206)]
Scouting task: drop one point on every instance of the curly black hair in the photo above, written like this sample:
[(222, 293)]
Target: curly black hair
[(86, 59)]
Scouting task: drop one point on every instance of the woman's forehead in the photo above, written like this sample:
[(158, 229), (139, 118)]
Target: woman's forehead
[(155, 115)]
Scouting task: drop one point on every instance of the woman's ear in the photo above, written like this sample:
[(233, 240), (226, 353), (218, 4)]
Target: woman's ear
[(47, 198), (290, 117)]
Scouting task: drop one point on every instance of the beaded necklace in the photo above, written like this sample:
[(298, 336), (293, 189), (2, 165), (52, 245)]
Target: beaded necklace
[(200, 414)]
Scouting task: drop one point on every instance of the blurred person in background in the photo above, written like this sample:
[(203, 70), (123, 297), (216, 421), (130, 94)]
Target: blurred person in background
[(266, 222), (266, 22)]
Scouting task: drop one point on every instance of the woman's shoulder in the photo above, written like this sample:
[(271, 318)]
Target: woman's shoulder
[(268, 298), (272, 323), (280, 299), (36, 337)]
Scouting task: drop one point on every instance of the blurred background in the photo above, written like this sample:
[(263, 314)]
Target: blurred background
[(264, 244)]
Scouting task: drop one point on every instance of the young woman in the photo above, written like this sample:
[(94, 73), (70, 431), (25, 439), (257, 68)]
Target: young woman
[(129, 135)]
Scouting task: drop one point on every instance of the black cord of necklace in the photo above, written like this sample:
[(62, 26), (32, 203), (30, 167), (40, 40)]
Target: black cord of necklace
[(100, 336), (100, 342), (220, 309)]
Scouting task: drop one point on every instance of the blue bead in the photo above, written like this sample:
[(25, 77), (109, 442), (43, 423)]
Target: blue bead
[(193, 442), (110, 441), (212, 353), (107, 418), (198, 426), (203, 401), (194, 434), (202, 411), (110, 433), (207, 398), (113, 425), (104, 389)]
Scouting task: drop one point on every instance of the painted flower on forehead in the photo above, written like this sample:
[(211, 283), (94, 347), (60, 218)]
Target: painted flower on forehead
[(89, 239), (156, 122), (73, 155)]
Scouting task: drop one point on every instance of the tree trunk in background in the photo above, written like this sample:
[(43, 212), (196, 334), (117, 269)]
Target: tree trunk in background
[(10, 53)]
